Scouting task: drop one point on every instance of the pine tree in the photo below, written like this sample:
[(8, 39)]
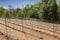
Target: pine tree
[(53, 15), (44, 9), (46, 1)]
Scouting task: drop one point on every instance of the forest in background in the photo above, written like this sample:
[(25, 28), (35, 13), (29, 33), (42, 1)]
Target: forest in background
[(46, 10)]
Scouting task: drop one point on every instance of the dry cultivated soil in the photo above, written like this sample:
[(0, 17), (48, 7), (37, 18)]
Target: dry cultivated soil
[(29, 30)]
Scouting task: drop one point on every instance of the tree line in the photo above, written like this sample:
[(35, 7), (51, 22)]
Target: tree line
[(46, 9)]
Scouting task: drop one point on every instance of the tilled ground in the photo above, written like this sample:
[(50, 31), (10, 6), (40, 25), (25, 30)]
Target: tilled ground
[(29, 35), (2, 37)]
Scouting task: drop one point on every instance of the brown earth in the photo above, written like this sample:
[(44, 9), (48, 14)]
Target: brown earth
[(29, 35)]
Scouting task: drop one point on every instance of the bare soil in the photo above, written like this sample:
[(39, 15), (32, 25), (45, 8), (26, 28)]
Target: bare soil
[(29, 35)]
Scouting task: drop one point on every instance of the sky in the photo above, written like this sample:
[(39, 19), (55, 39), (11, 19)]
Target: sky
[(17, 3)]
